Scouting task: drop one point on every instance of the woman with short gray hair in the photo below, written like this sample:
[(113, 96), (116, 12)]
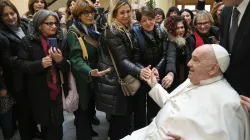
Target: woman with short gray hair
[(204, 31), (42, 58)]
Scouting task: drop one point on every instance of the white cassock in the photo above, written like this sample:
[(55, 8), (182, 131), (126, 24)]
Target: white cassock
[(209, 111)]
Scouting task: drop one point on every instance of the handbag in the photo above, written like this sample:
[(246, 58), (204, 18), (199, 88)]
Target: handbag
[(129, 84), (70, 103)]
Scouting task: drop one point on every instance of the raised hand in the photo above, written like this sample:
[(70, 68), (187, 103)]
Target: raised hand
[(97, 73), (145, 72), (46, 61), (156, 74), (152, 80)]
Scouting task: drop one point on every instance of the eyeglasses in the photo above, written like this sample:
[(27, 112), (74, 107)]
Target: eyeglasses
[(199, 24), (135, 10), (87, 13), (50, 24)]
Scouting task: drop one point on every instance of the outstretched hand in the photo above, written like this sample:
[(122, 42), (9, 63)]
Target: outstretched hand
[(145, 72), (152, 80), (97, 73)]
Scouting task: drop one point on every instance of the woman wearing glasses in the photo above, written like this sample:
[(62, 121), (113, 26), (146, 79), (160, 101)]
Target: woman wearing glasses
[(42, 63), (84, 69), (205, 32)]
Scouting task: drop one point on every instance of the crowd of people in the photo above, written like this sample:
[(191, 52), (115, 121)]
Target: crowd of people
[(191, 65)]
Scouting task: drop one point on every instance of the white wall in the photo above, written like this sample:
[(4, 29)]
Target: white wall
[(21, 5)]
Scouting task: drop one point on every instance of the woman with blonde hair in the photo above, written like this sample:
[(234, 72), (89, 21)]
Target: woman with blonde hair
[(116, 42), (216, 11)]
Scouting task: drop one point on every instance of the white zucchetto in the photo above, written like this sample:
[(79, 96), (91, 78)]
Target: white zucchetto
[(222, 57)]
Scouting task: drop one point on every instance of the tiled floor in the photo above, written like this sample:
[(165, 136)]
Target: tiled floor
[(69, 128)]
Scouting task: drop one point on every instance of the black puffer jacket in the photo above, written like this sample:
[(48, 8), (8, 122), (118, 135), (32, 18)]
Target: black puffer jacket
[(110, 97), (155, 52)]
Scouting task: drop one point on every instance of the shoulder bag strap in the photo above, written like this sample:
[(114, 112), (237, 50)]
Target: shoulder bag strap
[(84, 50), (114, 65)]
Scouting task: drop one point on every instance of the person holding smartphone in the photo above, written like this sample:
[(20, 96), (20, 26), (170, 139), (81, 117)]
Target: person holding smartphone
[(42, 56)]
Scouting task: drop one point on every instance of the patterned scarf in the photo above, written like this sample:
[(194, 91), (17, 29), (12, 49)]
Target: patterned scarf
[(89, 30)]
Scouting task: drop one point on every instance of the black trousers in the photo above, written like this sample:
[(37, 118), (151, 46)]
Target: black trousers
[(119, 126), (83, 124), (54, 130), (6, 124), (139, 107)]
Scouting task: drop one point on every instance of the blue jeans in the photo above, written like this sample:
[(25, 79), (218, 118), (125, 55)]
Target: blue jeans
[(6, 124)]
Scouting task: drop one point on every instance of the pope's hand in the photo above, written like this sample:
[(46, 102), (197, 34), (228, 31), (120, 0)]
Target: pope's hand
[(245, 101), (152, 80), (97, 73), (173, 136)]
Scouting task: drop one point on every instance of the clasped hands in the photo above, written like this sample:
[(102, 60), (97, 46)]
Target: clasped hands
[(152, 77), (54, 54)]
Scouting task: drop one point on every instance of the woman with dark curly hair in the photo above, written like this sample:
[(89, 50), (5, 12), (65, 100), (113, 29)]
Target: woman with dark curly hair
[(34, 6), (179, 36), (160, 15), (215, 12)]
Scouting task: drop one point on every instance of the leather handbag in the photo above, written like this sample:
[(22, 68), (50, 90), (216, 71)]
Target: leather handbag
[(129, 84)]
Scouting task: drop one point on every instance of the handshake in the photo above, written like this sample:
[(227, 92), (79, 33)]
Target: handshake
[(151, 76)]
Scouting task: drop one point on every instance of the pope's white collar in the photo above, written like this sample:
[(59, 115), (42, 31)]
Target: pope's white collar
[(211, 80)]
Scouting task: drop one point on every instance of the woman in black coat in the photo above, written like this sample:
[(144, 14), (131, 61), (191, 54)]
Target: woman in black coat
[(14, 29), (182, 43), (110, 98), (6, 100), (149, 48), (42, 63)]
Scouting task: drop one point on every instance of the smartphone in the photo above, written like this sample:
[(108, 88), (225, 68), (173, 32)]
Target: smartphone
[(213, 39), (52, 42)]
